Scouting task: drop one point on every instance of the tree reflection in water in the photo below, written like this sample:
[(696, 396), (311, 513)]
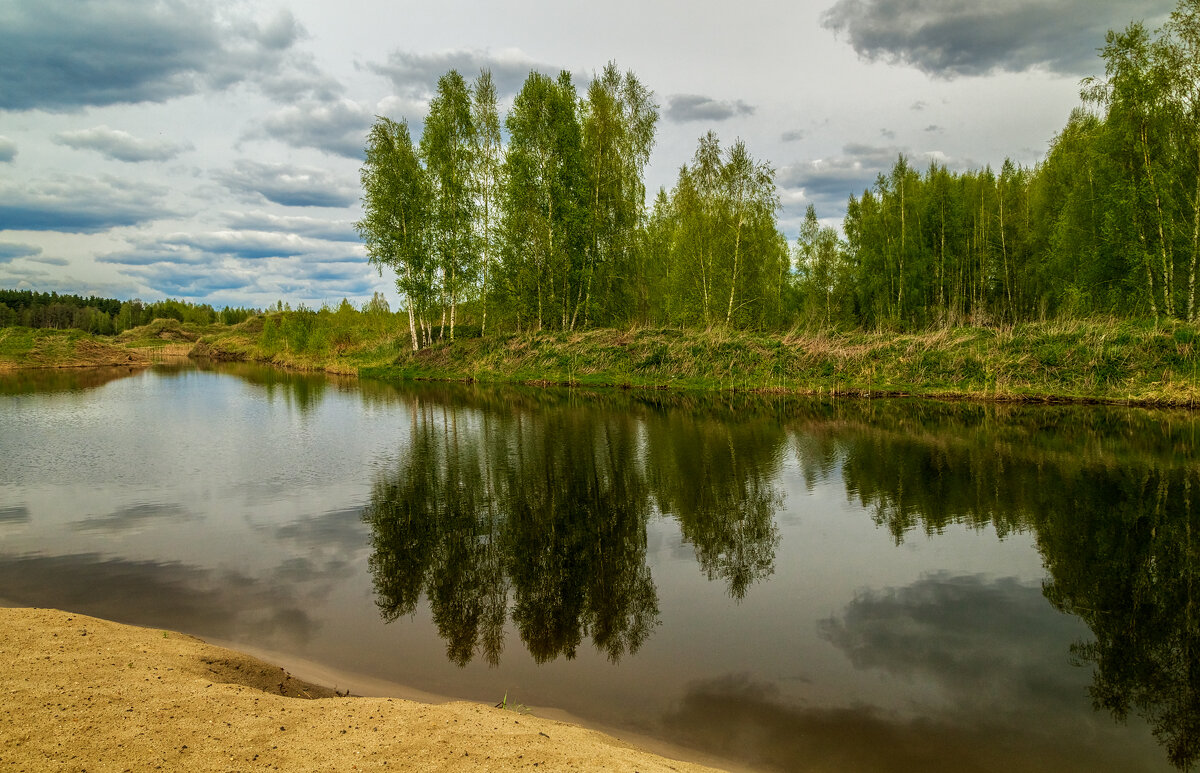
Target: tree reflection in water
[(549, 502), (1111, 496), (532, 509)]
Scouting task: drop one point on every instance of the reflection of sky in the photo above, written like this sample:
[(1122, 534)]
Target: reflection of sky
[(210, 504)]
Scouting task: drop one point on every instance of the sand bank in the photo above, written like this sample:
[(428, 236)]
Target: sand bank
[(80, 693)]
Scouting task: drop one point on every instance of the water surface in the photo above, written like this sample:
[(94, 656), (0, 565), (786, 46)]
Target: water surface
[(790, 585)]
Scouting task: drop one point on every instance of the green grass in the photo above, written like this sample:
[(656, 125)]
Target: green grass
[(1098, 360)]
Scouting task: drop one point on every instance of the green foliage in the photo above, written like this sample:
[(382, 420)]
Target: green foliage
[(725, 262), (547, 230), (333, 339), (544, 215)]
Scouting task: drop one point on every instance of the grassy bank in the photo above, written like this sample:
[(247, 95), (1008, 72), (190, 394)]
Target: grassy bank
[(1087, 360), (22, 347)]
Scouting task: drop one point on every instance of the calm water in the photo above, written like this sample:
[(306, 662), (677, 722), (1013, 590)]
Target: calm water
[(791, 585)]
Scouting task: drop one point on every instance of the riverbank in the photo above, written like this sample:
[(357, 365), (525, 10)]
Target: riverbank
[(84, 693), (1084, 361), (1095, 360)]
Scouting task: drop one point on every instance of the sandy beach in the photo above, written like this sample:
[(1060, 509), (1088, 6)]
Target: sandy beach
[(84, 694)]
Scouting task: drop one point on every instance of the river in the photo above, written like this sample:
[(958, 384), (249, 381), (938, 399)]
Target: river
[(889, 585)]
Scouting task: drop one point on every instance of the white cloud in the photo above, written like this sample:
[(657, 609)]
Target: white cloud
[(119, 145), (79, 204), (289, 185)]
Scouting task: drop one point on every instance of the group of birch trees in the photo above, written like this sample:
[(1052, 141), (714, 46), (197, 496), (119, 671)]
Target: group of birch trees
[(716, 256), (541, 231), (550, 229)]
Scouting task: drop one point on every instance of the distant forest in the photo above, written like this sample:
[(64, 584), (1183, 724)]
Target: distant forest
[(552, 231), (104, 316)]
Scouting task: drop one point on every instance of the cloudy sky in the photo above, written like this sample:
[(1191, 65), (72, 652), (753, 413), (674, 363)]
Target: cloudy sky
[(209, 149)]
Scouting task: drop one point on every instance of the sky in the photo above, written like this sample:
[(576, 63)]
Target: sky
[(209, 150)]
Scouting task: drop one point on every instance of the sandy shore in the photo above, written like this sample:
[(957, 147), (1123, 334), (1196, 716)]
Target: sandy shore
[(80, 693)]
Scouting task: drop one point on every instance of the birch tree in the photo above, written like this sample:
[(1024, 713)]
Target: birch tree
[(447, 147), (487, 158), (545, 190), (394, 225), (618, 121)]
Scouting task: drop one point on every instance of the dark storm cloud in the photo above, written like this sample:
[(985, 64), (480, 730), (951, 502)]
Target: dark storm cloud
[(9, 250), (202, 265), (951, 38), (288, 185), (279, 33), (148, 253), (336, 127), (79, 204), (318, 278), (697, 107), (64, 56), (120, 146), (414, 74), (336, 274), (792, 135), (178, 257), (8, 150), (315, 228), (317, 286)]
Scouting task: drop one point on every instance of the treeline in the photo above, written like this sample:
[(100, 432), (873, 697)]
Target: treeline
[(104, 316), (551, 231), (1108, 222)]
